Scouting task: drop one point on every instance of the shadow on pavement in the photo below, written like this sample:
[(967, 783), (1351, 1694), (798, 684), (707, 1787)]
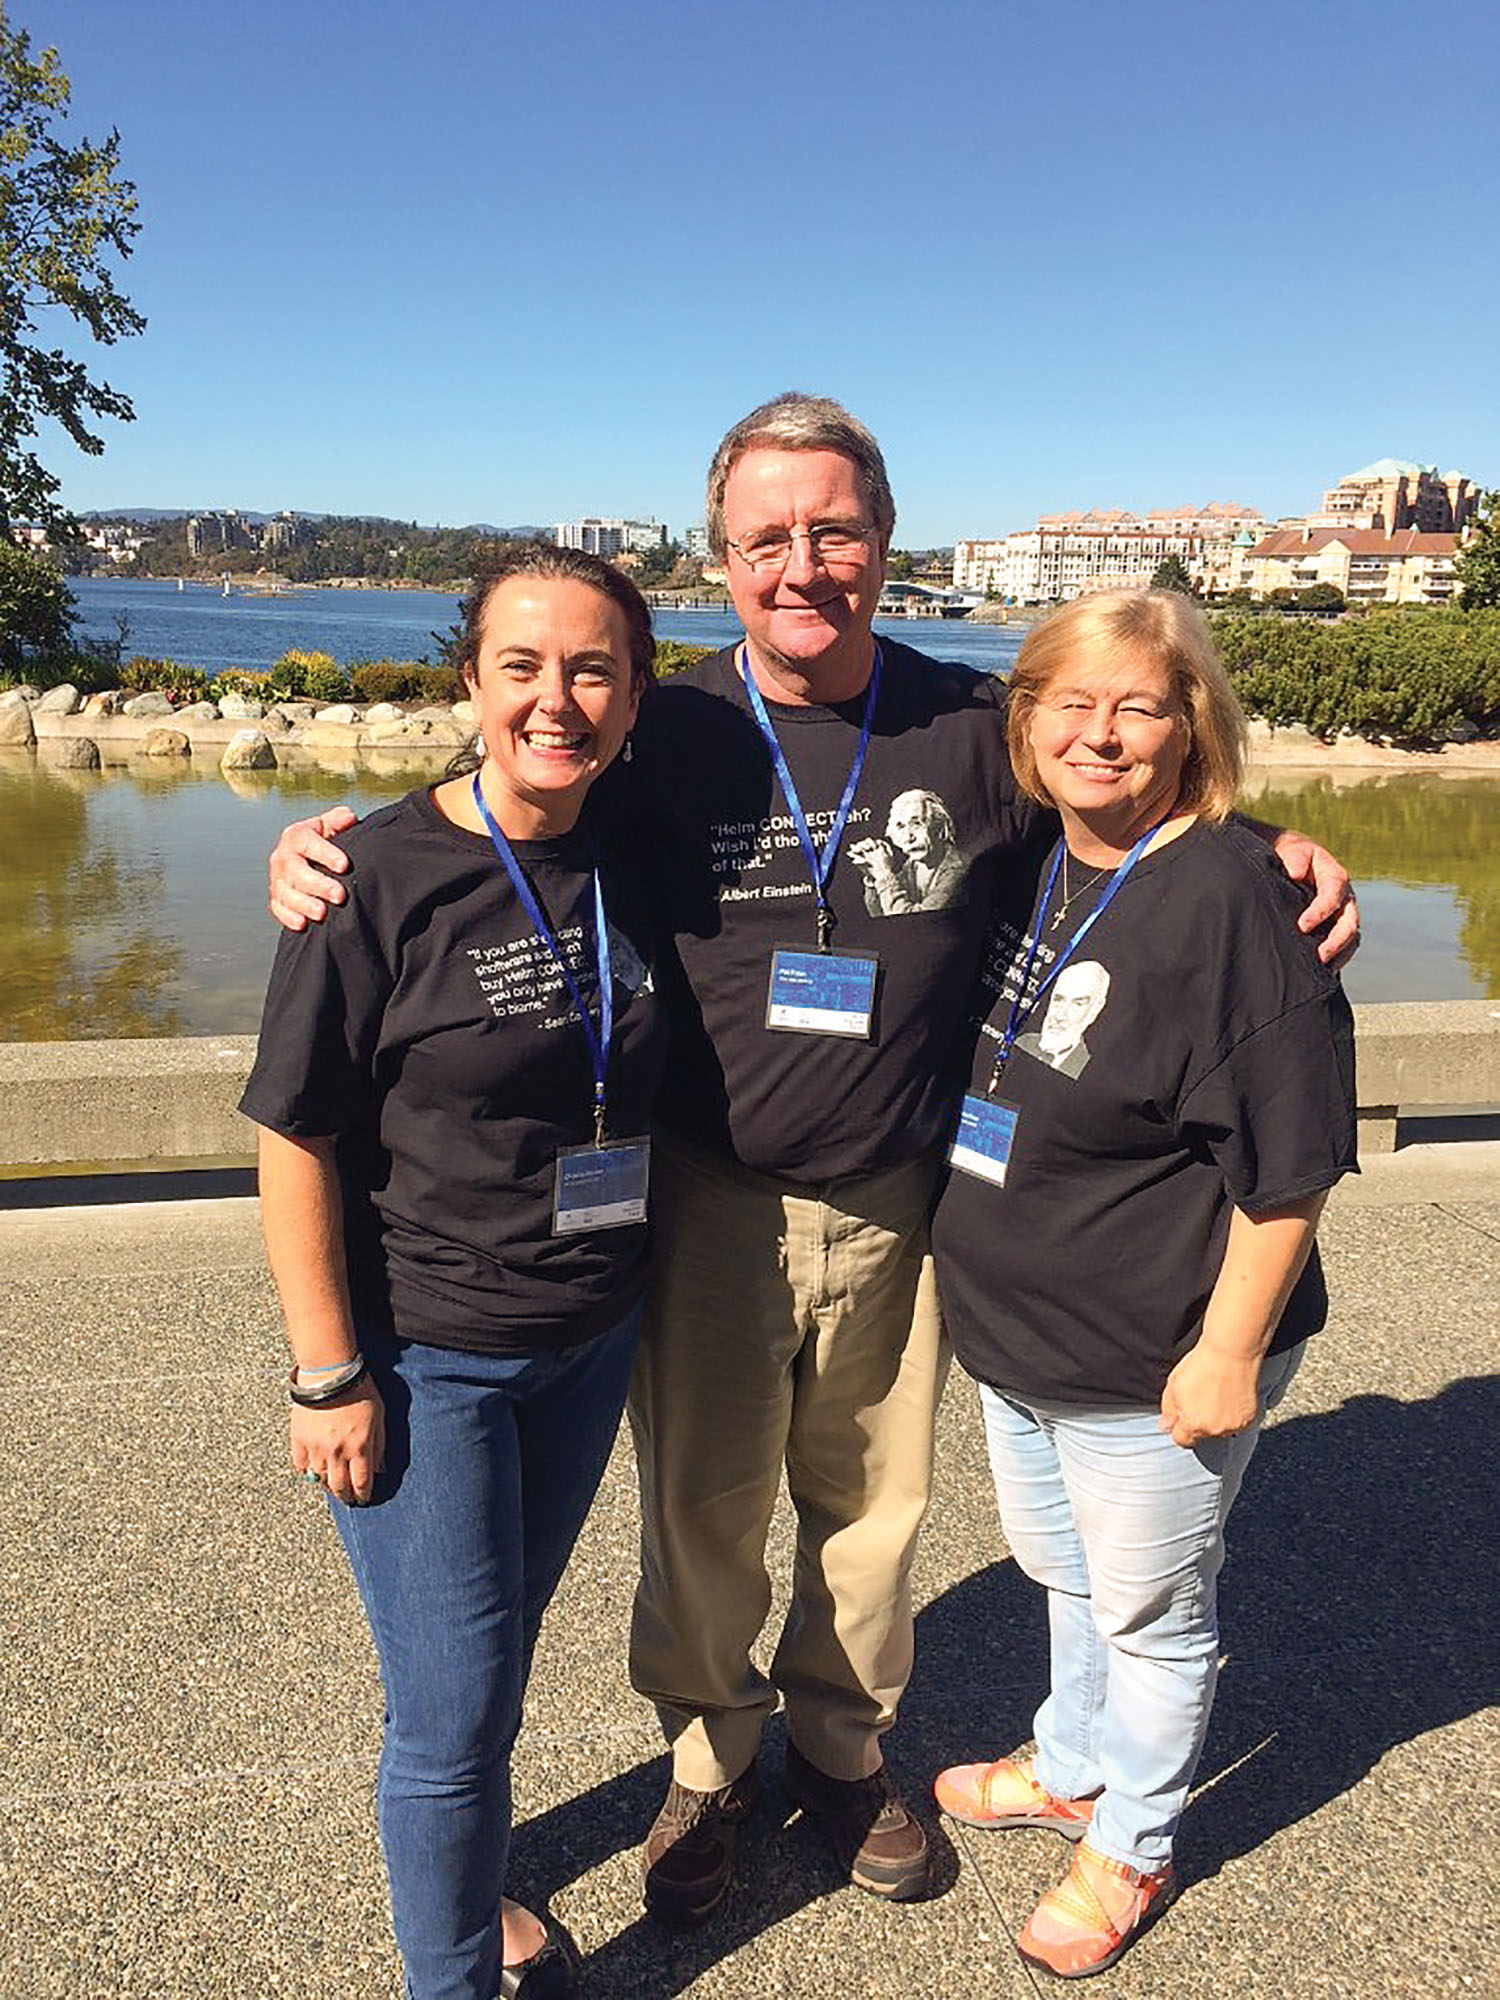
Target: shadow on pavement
[(1356, 1612)]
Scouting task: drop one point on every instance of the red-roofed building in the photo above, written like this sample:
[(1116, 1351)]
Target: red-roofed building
[(1368, 566)]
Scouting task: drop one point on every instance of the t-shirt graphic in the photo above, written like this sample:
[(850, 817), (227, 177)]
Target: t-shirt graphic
[(1075, 1003), (916, 865)]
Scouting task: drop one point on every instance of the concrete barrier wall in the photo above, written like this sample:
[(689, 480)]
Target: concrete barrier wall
[(102, 1104)]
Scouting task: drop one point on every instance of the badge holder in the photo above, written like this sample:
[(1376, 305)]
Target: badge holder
[(822, 992), (984, 1139), (601, 1187)]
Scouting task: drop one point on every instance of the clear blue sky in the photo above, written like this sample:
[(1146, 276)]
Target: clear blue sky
[(485, 261)]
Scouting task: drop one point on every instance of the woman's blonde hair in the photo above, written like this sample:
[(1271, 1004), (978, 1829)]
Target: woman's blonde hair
[(1167, 629)]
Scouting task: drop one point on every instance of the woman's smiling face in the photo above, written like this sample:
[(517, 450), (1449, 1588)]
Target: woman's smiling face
[(554, 696), (1110, 740)]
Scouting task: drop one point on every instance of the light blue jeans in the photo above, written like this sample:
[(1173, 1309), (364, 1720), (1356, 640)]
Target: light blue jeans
[(491, 1464), (1125, 1531)]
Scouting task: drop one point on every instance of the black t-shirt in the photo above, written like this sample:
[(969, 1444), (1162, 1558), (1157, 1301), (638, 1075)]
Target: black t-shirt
[(1191, 1057), (429, 1029), (937, 817)]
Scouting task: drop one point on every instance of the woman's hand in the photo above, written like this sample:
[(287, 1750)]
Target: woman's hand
[(343, 1442), (303, 865), (1209, 1395)]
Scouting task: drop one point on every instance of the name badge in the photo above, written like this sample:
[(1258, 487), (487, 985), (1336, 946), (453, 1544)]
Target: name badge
[(601, 1187), (982, 1144), (822, 992)]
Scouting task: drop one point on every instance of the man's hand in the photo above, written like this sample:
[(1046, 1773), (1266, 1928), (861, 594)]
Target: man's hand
[(303, 865), (1333, 894)]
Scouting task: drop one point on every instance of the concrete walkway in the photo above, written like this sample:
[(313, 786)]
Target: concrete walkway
[(192, 1712)]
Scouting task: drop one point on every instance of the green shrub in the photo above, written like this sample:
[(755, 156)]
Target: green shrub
[(168, 677), (673, 655), (240, 680), (299, 675), (438, 684), (1406, 676), (383, 680)]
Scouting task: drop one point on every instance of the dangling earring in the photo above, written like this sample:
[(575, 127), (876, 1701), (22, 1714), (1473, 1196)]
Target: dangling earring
[(627, 755)]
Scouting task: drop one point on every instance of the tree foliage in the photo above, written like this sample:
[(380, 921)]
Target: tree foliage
[(1478, 565), (66, 213), (35, 608), (1172, 573)]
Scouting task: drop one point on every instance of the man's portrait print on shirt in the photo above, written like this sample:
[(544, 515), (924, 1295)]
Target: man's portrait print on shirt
[(1075, 1003), (916, 865)]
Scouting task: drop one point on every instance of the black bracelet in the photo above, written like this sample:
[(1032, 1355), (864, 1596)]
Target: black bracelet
[(313, 1399)]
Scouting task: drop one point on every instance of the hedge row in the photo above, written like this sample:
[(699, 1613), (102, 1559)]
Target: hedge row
[(1406, 677)]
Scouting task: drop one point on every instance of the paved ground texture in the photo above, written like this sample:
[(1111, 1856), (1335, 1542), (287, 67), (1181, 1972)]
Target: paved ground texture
[(191, 1709)]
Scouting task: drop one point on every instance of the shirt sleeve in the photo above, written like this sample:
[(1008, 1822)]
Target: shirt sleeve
[(1277, 1113), (314, 1071)]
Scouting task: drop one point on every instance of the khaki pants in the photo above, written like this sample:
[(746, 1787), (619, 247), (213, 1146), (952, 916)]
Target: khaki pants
[(785, 1326)]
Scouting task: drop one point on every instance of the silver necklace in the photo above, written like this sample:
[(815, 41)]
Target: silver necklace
[(1070, 896)]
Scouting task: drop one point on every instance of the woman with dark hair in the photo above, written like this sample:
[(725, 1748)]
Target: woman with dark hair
[(1124, 1246), (452, 1086)]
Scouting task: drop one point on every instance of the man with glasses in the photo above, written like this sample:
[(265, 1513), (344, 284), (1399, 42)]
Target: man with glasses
[(819, 1040)]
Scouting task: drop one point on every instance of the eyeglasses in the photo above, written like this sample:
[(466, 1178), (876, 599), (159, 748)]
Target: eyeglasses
[(834, 544)]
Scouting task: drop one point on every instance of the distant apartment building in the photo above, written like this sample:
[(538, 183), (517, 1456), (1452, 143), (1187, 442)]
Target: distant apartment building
[(1066, 555), (285, 531), (1366, 564), (600, 537), (1393, 494), (695, 542), (211, 534)]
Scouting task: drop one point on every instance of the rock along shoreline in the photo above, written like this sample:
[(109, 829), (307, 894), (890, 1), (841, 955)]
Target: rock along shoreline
[(240, 733)]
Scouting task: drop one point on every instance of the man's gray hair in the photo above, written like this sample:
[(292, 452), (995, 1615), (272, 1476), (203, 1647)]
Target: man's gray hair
[(793, 422)]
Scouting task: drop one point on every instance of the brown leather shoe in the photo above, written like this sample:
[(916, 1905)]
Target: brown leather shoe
[(689, 1854), (879, 1845)]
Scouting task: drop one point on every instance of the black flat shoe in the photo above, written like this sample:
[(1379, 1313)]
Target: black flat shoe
[(549, 1974)]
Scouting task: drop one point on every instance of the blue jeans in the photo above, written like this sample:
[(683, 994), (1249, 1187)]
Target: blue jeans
[(1125, 1531), (491, 1465)]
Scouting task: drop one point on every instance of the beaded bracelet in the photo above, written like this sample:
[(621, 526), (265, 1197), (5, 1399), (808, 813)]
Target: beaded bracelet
[(311, 1399)]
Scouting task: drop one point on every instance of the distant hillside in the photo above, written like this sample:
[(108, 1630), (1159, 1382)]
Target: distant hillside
[(140, 516)]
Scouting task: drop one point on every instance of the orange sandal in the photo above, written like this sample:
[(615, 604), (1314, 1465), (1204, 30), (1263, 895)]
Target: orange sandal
[(1006, 1794), (1071, 1933)]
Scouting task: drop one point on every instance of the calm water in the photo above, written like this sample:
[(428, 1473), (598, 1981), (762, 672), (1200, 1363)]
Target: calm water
[(200, 628), (133, 900)]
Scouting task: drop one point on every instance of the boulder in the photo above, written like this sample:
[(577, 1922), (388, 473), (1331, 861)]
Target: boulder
[(385, 711), (397, 729), (64, 699), (152, 702), (199, 711), (110, 702), (295, 712), (241, 708), (448, 734), (73, 753), (463, 711), (165, 743), (16, 727), (332, 735), (339, 711), (273, 724), (248, 750), (436, 713)]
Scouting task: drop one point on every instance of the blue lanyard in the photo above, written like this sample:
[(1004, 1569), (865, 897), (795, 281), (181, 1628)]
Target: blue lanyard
[(597, 1039), (1022, 1009), (821, 864)]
